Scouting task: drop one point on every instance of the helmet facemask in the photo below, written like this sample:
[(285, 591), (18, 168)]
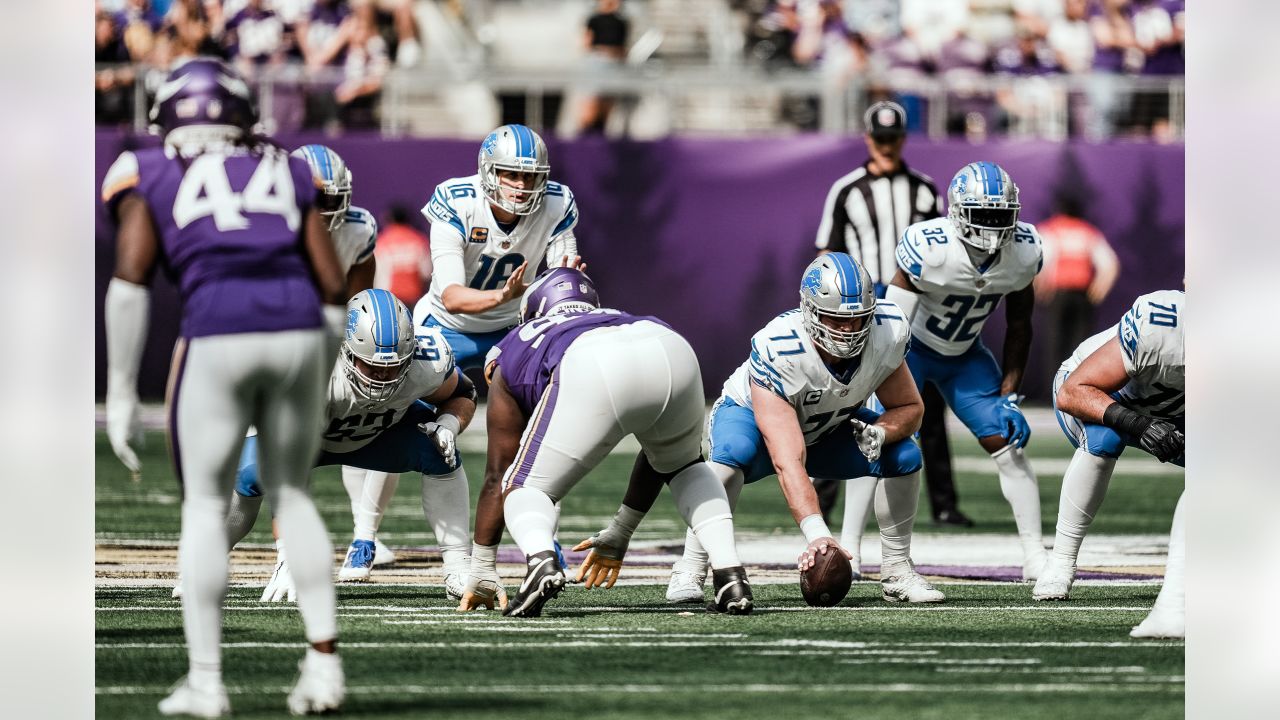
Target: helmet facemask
[(496, 191), (368, 387), (334, 200), (842, 344), (837, 288), (982, 204), (517, 149), (986, 228)]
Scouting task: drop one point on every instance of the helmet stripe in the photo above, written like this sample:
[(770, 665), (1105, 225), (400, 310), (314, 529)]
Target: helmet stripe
[(848, 278), (527, 149), (386, 329), (990, 178)]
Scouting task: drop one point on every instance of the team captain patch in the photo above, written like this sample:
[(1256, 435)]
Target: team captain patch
[(479, 235)]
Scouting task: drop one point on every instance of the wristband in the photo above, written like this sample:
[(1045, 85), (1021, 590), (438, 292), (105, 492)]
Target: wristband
[(1119, 417), (449, 421), (814, 527), (484, 557)]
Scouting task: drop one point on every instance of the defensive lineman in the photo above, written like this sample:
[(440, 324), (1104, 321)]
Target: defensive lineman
[(565, 387), (1122, 387), (233, 219), (952, 273), (795, 408)]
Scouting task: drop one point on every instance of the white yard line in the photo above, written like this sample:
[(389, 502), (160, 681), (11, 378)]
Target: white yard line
[(740, 644)]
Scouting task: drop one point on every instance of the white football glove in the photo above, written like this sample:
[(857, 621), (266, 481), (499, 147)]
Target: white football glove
[(870, 439), (123, 429), (280, 587), (444, 433)]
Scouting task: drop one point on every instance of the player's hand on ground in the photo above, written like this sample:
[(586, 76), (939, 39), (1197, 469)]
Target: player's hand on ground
[(515, 286), (483, 592), (1014, 423), (1163, 440), (280, 587), (821, 546), (870, 439), (123, 429), (445, 441), (603, 564)]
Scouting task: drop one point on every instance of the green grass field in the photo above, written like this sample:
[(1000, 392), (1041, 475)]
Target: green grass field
[(988, 652)]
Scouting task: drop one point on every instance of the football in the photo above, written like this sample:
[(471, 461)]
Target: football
[(828, 581)]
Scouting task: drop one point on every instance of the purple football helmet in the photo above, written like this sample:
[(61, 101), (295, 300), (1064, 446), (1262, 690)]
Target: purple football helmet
[(557, 291), (203, 91)]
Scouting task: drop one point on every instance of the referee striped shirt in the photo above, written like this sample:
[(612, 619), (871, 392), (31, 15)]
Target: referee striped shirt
[(865, 215)]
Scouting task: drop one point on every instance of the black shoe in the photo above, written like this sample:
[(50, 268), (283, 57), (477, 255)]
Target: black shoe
[(543, 581), (952, 517), (733, 592)]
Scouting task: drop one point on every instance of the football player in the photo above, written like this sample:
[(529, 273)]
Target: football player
[(952, 274), (488, 231), (396, 403), (1122, 387), (564, 388), (234, 220), (795, 409)]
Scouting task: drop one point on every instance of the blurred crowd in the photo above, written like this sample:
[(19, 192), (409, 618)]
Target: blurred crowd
[(1096, 41), (343, 48)]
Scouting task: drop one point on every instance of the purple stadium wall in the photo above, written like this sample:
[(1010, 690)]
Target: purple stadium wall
[(711, 235)]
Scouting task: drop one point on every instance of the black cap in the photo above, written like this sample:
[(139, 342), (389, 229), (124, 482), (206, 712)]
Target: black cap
[(885, 119)]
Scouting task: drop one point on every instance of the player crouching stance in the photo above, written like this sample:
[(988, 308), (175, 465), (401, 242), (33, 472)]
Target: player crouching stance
[(380, 416), (795, 408), (1123, 386), (565, 387)]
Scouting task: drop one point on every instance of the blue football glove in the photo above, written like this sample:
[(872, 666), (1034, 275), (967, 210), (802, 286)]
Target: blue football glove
[(1016, 429)]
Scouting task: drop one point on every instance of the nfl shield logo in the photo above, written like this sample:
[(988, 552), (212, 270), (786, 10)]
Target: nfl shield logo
[(886, 117)]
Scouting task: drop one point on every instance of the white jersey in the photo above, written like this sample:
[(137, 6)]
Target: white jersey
[(355, 237), (1151, 342), (956, 297), (785, 361), (353, 421), (469, 248)]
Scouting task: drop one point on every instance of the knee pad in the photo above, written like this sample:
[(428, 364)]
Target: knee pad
[(247, 481)]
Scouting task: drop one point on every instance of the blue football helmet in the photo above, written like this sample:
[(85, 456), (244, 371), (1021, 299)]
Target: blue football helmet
[(836, 286), (518, 149), (380, 336), (332, 177), (559, 291), (982, 203)]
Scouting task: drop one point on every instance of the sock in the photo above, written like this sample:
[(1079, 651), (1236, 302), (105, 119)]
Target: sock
[(202, 560), (531, 520), (1018, 484), (310, 560), (732, 480), (859, 494), (559, 509), (1172, 597), (446, 503), (353, 482), (370, 492), (241, 516), (703, 503), (1083, 488), (896, 503)]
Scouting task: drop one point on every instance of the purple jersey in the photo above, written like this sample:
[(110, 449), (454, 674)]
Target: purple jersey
[(531, 352), (230, 224)]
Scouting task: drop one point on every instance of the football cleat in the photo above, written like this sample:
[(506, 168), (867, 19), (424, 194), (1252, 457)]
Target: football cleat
[(321, 685), (455, 577), (1033, 567), (177, 589), (359, 562), (686, 583), (543, 581), (382, 554), (733, 592), (1161, 624), (197, 702), (909, 586), (1054, 582)]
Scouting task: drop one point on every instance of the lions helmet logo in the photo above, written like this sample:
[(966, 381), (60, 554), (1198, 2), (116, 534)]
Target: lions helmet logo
[(490, 143), (353, 316), (812, 283), (960, 184)]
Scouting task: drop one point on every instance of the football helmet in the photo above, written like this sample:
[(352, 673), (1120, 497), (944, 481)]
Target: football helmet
[(518, 149), (203, 91), (333, 179), (379, 335), (982, 203), (558, 291), (836, 286)]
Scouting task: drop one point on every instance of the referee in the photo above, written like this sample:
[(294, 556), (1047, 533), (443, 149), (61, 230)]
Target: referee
[(865, 214)]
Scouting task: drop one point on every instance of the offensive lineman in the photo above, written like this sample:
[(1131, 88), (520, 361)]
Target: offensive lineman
[(795, 408), (1123, 386), (377, 417), (952, 273), (233, 219), (564, 388)]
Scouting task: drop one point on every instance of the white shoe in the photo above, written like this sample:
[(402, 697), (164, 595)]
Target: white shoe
[(177, 589), (1055, 582), (1161, 624), (321, 685), (1033, 566), (358, 563), (382, 554), (686, 583), (909, 586), (204, 703), (455, 577)]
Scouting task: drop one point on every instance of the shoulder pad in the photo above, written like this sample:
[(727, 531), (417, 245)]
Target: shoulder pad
[(1026, 242), (563, 206), (434, 350), (924, 245), (1152, 319), (441, 208), (889, 315)]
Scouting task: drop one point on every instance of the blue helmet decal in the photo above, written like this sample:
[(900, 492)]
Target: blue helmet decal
[(490, 143), (353, 316), (960, 185), (812, 282)]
